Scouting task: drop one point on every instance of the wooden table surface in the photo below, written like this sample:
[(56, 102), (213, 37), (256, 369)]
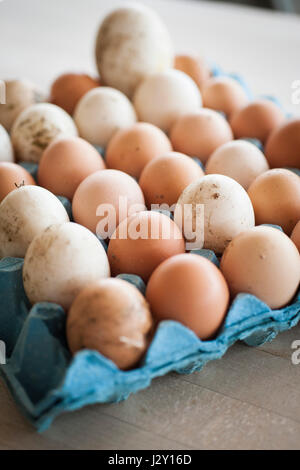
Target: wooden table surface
[(250, 399)]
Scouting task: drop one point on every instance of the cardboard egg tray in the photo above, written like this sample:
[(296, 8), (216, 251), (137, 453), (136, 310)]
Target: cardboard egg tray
[(46, 381)]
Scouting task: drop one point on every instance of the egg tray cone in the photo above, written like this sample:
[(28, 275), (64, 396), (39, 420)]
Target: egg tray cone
[(46, 381)]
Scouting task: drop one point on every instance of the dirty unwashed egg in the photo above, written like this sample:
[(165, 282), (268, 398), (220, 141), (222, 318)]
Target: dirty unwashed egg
[(275, 196), (263, 262), (195, 67), (142, 241), (283, 145), (6, 148), (296, 236), (112, 317), (257, 120), (132, 43), (69, 88), (60, 262), (240, 160), (131, 149), (212, 211), (65, 163), (13, 176), (101, 112), (104, 199), (25, 213), (162, 97), (191, 290), (36, 127), (199, 134), (163, 179), (224, 94)]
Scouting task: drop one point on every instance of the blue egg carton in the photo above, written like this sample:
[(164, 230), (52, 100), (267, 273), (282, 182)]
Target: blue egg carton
[(46, 381)]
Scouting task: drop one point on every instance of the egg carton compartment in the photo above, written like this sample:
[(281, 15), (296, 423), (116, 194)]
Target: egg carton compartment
[(46, 381)]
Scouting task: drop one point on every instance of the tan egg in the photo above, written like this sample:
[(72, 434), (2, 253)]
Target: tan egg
[(191, 290), (199, 134), (65, 163), (296, 235), (112, 317), (224, 94), (283, 146), (104, 199), (257, 120), (195, 67), (142, 242), (239, 160), (131, 149), (263, 262), (163, 179), (13, 176), (69, 88), (275, 196)]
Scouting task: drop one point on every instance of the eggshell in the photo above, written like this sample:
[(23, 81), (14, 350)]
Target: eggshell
[(36, 127), (275, 196), (163, 179), (263, 262), (142, 242), (106, 187), (6, 148), (112, 317), (283, 145), (162, 97), (60, 262), (101, 112), (65, 163), (131, 149), (19, 94), (240, 160), (296, 235), (257, 120), (25, 213), (200, 133), (195, 67), (13, 176), (191, 290), (132, 43), (224, 94), (224, 207), (69, 88)]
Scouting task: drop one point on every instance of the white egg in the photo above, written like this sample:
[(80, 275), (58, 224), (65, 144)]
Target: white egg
[(240, 160), (24, 213), (6, 148), (132, 42), (61, 261), (101, 112), (162, 97), (36, 127), (216, 208)]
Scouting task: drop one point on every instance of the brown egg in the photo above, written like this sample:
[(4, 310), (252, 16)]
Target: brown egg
[(283, 146), (191, 290), (65, 163), (163, 179), (142, 242), (131, 149), (199, 134), (112, 317), (68, 88), (13, 176), (257, 120), (275, 196), (296, 235), (104, 199), (193, 66), (263, 262), (224, 94)]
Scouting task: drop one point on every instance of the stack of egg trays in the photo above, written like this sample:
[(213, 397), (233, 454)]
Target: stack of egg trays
[(46, 381)]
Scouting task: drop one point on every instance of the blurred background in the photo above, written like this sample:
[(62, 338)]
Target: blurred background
[(290, 6)]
